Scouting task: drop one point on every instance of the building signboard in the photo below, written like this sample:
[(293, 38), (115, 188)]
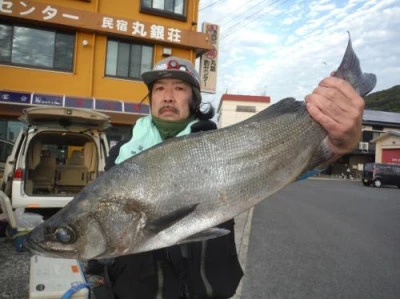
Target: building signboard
[(15, 97), (209, 60), (46, 99), (25, 98), (136, 108), (108, 105), (58, 15), (75, 102)]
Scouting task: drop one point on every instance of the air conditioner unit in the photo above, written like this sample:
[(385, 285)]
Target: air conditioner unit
[(363, 146)]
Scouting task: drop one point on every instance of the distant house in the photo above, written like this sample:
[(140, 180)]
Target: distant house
[(236, 108), (387, 147), (377, 127)]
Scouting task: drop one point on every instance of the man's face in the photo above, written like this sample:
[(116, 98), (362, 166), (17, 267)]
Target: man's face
[(170, 99)]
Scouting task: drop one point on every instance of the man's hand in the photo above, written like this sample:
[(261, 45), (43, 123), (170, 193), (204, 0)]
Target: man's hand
[(336, 106)]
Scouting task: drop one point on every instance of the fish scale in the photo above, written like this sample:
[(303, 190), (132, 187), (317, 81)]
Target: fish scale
[(179, 190)]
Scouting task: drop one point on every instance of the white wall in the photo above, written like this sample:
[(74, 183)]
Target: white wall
[(230, 116)]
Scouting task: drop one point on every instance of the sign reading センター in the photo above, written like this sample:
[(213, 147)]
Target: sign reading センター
[(209, 61), (55, 14)]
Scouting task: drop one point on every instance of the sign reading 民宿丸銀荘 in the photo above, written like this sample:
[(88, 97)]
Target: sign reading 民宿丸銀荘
[(55, 14)]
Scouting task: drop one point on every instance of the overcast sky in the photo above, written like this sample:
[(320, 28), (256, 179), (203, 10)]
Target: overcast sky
[(285, 47)]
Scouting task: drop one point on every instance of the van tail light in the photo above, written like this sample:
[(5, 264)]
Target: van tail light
[(18, 174)]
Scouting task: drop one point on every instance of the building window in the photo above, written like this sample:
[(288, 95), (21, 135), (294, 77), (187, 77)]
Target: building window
[(32, 47), (175, 9), (377, 128), (241, 108), (9, 129), (367, 136), (128, 60), (5, 150)]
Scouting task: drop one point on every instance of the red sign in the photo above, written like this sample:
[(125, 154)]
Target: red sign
[(391, 156)]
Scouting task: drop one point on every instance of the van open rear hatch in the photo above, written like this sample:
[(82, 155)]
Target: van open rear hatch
[(71, 118), (60, 150)]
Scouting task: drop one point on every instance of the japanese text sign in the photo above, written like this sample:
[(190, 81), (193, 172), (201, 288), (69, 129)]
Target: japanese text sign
[(55, 14), (209, 60)]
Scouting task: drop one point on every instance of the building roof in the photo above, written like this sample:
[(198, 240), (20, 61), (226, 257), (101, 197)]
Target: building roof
[(245, 98), (386, 134), (381, 118)]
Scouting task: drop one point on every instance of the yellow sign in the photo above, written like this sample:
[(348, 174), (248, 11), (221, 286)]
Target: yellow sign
[(209, 60)]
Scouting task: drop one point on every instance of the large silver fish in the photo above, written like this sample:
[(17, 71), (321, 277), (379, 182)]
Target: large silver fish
[(179, 190)]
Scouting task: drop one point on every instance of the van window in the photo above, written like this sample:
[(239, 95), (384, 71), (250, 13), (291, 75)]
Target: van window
[(9, 129), (384, 168), (396, 170), (60, 163), (369, 167), (5, 150)]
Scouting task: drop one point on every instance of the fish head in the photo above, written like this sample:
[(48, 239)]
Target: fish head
[(87, 230)]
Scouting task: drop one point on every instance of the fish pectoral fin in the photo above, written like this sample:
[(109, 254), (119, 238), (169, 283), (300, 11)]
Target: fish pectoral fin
[(170, 219), (205, 235)]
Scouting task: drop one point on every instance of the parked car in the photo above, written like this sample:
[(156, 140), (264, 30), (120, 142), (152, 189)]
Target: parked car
[(378, 174), (5, 149), (58, 151)]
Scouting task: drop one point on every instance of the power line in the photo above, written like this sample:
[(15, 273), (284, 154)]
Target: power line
[(243, 19), (258, 13), (253, 17), (240, 8), (211, 4), (243, 13), (203, 3)]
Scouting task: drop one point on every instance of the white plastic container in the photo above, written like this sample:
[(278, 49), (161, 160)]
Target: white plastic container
[(52, 277)]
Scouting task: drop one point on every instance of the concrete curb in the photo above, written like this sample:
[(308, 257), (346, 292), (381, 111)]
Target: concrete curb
[(242, 238)]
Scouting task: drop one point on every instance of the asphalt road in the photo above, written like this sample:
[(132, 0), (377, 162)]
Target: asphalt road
[(325, 239), (14, 271)]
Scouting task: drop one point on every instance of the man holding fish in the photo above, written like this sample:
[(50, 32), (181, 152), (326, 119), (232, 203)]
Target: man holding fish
[(171, 197), (175, 110)]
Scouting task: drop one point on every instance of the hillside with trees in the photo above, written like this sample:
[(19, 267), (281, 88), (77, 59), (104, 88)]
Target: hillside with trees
[(384, 100)]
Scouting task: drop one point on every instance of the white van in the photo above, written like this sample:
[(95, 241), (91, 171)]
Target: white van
[(57, 152)]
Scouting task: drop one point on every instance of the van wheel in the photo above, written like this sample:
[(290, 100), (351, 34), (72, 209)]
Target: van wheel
[(377, 183)]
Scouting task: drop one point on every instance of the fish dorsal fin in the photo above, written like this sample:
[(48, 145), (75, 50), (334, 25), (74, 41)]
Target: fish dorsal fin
[(170, 219), (205, 235)]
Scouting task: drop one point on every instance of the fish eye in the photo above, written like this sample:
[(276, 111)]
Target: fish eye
[(64, 235)]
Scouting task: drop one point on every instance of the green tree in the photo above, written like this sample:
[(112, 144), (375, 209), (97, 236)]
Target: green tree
[(384, 100)]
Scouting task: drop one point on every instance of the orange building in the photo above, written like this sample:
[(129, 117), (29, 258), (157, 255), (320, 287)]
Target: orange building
[(89, 53)]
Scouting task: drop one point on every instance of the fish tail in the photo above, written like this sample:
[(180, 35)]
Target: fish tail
[(350, 70)]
